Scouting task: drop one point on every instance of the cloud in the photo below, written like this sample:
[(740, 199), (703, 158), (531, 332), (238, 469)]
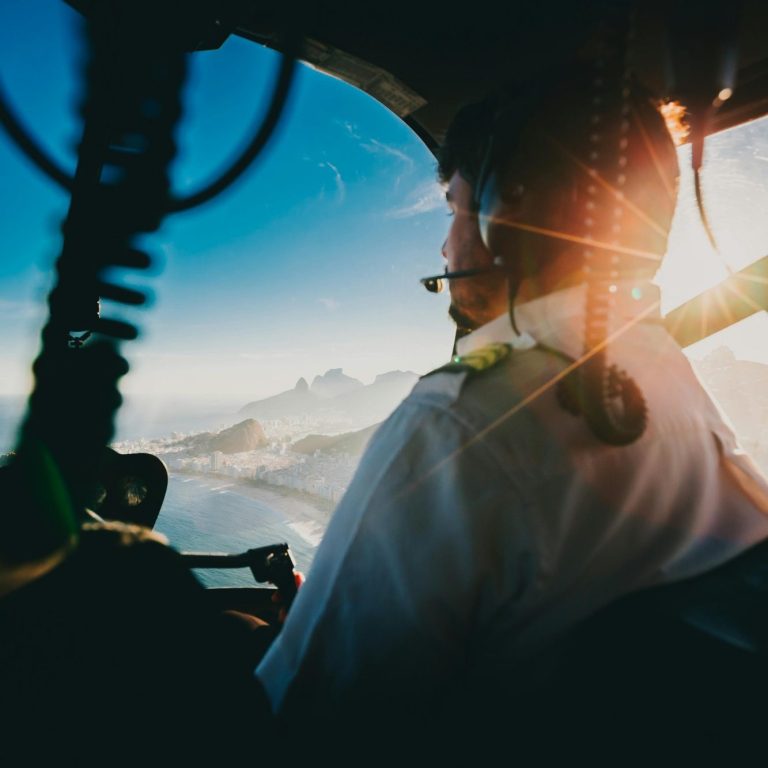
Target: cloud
[(377, 147), (330, 304), (341, 188), (374, 146), (350, 128), (426, 198)]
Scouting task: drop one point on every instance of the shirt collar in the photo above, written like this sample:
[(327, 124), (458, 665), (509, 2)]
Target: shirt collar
[(557, 319)]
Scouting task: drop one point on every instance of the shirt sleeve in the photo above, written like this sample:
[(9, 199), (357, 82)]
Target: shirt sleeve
[(426, 541)]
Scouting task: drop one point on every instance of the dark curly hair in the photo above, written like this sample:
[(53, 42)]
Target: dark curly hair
[(540, 135), (466, 140)]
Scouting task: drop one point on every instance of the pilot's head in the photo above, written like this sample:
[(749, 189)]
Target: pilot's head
[(549, 177)]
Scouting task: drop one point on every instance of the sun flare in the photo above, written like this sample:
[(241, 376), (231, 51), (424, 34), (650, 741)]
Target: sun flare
[(735, 184)]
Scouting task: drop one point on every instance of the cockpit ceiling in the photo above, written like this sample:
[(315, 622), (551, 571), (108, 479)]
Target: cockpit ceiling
[(424, 60)]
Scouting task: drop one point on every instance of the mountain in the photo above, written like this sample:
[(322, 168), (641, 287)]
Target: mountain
[(293, 402), (334, 383), (340, 394), (245, 436), (740, 388), (373, 403), (352, 443)]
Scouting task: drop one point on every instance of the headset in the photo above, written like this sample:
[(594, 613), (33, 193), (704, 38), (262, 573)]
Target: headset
[(701, 63), (609, 400)]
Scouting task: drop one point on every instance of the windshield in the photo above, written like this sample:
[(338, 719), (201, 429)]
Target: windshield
[(289, 319), (733, 364)]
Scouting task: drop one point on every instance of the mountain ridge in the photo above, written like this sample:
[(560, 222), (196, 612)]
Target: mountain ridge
[(337, 392)]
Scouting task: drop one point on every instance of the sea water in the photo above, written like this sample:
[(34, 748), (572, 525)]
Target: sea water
[(204, 514)]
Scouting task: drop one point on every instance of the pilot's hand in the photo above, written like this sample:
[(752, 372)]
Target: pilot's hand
[(277, 599), (246, 619), (249, 637)]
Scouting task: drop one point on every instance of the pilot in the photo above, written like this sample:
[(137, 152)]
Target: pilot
[(488, 516)]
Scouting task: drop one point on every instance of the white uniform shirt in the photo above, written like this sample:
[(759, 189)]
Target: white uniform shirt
[(484, 520)]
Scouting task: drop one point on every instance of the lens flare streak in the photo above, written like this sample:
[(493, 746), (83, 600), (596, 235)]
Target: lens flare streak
[(588, 241), (617, 194), (654, 157), (530, 398)]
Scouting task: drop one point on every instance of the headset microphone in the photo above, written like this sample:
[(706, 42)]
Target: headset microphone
[(436, 283)]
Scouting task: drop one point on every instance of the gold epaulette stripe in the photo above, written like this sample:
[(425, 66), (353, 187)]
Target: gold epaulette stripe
[(480, 360)]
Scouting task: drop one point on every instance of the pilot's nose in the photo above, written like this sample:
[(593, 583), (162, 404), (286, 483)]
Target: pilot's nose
[(443, 249)]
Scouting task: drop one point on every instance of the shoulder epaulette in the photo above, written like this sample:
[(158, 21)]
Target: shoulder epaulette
[(475, 362)]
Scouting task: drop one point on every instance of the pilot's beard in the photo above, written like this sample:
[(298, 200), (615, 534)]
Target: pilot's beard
[(464, 324)]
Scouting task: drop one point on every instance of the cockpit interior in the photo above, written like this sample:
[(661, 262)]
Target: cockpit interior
[(219, 218)]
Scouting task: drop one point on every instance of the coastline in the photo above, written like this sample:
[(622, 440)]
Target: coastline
[(307, 514)]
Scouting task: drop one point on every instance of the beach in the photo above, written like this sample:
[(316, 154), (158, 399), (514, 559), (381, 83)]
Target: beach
[(309, 515), (212, 513)]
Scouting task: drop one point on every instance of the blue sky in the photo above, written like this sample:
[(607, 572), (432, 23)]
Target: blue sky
[(310, 262)]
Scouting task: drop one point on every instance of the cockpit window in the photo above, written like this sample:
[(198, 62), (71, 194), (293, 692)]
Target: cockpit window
[(735, 196), (733, 364), (289, 320)]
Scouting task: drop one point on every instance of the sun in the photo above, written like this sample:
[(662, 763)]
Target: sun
[(735, 191)]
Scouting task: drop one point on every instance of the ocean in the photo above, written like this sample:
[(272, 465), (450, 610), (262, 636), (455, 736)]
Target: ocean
[(199, 514), (204, 514)]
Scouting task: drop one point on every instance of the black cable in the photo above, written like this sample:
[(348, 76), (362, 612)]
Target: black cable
[(56, 471), (513, 286), (703, 213), (283, 83), (34, 151), (610, 401)]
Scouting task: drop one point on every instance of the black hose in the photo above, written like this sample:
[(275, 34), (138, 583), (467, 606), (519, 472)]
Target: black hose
[(34, 151), (702, 211), (280, 92), (283, 83), (55, 473)]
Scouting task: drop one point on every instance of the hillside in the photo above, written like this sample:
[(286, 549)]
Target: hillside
[(740, 388), (352, 443), (245, 436)]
